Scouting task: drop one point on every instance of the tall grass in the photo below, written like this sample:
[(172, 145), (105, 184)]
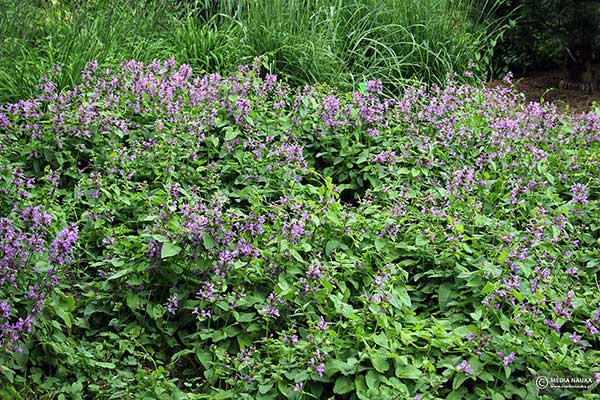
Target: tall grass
[(337, 42), (342, 42), (35, 35)]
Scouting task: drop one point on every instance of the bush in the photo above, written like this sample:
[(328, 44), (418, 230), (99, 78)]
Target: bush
[(238, 238), (542, 30)]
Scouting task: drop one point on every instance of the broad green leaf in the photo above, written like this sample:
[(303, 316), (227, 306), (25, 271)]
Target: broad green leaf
[(380, 243), (133, 301), (476, 315), (343, 384), (372, 379), (231, 133), (379, 361), (169, 250), (156, 311), (408, 372), (445, 294), (208, 241)]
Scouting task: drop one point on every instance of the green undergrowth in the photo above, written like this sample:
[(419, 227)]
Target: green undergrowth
[(171, 235)]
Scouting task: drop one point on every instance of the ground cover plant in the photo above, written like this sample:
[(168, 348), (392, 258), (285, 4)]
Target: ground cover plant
[(172, 235)]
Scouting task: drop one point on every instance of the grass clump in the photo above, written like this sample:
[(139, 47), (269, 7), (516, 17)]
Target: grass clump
[(340, 43), (343, 43)]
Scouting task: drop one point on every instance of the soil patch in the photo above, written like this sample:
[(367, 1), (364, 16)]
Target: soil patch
[(544, 86)]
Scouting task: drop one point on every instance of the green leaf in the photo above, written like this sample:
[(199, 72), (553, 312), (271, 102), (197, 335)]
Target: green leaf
[(334, 244), (244, 317), (205, 358), (119, 274), (459, 380), (232, 331), (401, 297), (476, 315), (231, 133), (169, 250), (380, 243), (8, 373), (347, 367), (379, 361), (421, 241), (262, 389), (155, 311), (64, 314), (444, 294), (372, 379), (361, 388), (408, 372), (208, 241), (244, 341), (343, 384), (107, 365), (133, 301)]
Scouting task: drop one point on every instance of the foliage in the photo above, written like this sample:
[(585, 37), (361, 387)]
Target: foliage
[(543, 29), (238, 238), (333, 42), (342, 43), (36, 35)]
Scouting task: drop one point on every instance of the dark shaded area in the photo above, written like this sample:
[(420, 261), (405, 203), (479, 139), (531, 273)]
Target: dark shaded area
[(548, 34)]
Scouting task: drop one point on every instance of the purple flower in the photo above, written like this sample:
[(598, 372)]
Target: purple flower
[(270, 311), (465, 367), (373, 132), (591, 327), (323, 325), (552, 325), (293, 230), (63, 245), (385, 157), (298, 387), (172, 304), (5, 309), (507, 360), (319, 368), (314, 271), (580, 194), (374, 87), (331, 106), (37, 217)]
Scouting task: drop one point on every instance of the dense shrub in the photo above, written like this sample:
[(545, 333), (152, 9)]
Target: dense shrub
[(238, 238), (542, 30)]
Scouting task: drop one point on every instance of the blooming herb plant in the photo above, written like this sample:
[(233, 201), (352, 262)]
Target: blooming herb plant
[(172, 236)]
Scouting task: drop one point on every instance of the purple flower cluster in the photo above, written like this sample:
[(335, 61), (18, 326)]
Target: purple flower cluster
[(385, 157), (172, 304), (63, 245), (25, 242), (317, 362), (237, 176)]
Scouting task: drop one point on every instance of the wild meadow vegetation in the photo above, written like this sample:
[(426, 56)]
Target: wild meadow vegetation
[(341, 43), (359, 222)]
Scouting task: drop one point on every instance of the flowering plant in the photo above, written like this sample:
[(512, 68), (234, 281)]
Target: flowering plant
[(242, 238)]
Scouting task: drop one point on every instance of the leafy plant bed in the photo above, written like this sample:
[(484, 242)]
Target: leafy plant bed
[(172, 236)]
